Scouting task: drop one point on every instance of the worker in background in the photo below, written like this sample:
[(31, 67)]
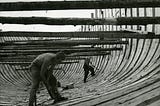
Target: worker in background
[(42, 70), (87, 68)]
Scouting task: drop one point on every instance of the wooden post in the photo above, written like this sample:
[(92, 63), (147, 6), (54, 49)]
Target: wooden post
[(145, 15), (138, 27)]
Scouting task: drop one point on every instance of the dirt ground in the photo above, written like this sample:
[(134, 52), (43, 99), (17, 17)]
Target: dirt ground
[(19, 96)]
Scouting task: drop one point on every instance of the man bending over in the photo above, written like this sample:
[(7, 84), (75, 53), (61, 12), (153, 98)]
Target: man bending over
[(42, 70)]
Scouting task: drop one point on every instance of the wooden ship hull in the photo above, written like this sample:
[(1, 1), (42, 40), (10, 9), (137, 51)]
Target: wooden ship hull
[(126, 57)]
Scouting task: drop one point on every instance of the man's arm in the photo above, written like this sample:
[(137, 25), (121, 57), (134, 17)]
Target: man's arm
[(93, 65), (50, 69), (44, 71)]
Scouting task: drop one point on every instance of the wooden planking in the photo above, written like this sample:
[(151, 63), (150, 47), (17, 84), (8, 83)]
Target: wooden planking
[(66, 5), (89, 34)]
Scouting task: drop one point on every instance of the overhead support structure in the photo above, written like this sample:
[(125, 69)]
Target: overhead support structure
[(33, 47), (91, 54), (66, 5), (28, 63), (87, 34), (81, 21), (66, 42), (74, 56), (67, 51)]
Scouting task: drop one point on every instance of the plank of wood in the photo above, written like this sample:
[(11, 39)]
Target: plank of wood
[(66, 42), (66, 5), (81, 21), (87, 34)]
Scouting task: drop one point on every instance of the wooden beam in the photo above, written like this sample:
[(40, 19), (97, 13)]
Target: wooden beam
[(81, 21), (137, 20), (90, 54), (66, 42), (88, 34), (6, 53), (33, 47), (75, 56), (16, 63), (69, 62), (17, 58), (51, 39), (27, 68), (28, 63), (65, 5), (56, 50)]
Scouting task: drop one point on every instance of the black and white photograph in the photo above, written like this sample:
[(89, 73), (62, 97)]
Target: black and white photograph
[(79, 52)]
